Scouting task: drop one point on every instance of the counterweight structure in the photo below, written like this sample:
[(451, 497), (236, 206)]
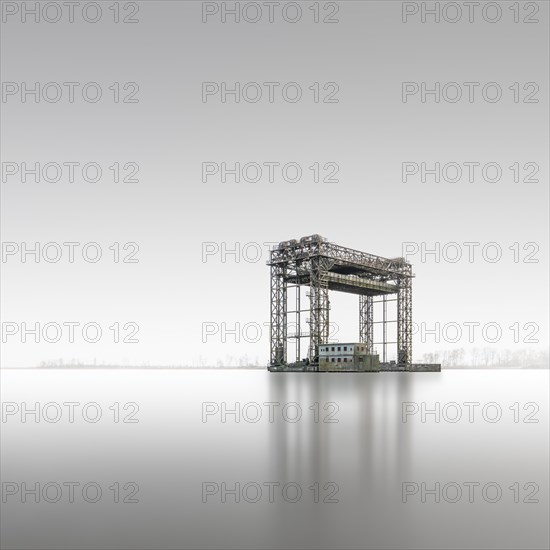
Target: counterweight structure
[(323, 266)]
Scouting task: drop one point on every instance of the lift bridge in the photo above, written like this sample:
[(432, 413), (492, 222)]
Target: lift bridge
[(322, 266)]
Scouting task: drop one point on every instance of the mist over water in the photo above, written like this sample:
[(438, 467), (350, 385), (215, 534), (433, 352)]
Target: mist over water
[(187, 443), (153, 153)]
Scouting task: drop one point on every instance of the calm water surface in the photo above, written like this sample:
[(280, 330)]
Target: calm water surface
[(315, 461)]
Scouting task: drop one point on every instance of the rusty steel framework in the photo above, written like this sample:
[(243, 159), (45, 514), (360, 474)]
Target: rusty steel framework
[(322, 266)]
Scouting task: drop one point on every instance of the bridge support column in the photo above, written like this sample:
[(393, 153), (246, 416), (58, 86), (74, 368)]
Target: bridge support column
[(278, 336), (319, 308), (404, 320), (366, 326)]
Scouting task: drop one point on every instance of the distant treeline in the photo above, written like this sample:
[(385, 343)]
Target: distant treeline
[(488, 357), (452, 358)]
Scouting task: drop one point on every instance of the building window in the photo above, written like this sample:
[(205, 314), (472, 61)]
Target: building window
[(345, 359), (332, 348), (339, 348), (332, 359), (339, 359), (361, 358), (345, 348)]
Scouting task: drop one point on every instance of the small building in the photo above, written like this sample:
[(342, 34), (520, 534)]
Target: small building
[(347, 357)]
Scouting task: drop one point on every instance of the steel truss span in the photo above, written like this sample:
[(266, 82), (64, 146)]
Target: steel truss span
[(322, 266)]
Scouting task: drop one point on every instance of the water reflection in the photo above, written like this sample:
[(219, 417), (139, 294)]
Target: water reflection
[(368, 453), (368, 435)]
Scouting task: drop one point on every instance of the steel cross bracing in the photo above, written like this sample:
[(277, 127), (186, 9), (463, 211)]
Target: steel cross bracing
[(322, 265), (366, 326), (370, 263), (404, 319), (319, 315), (278, 317)]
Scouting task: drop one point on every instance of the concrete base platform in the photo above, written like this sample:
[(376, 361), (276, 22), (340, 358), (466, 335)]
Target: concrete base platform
[(384, 367), (415, 367), (293, 368), (425, 367), (392, 367)]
